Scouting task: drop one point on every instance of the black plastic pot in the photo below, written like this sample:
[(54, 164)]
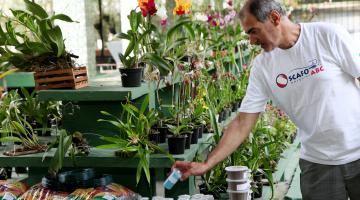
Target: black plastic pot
[(176, 144), (239, 103), (194, 135), (51, 183), (200, 131), (221, 116), (234, 106), (102, 180), (163, 131), (81, 178), (257, 177), (5, 173), (154, 138), (188, 140), (217, 195), (131, 77)]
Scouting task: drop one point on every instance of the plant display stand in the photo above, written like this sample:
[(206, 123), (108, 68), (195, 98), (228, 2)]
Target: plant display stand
[(62, 78), (123, 170), (82, 107)]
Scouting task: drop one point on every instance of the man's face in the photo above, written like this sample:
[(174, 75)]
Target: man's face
[(264, 34)]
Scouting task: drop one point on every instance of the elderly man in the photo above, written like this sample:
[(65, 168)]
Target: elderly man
[(308, 70)]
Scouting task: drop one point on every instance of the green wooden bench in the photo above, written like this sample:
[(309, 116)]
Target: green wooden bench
[(122, 169)]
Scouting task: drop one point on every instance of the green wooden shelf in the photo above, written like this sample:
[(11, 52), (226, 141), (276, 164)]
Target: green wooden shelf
[(18, 80), (102, 158), (99, 91)]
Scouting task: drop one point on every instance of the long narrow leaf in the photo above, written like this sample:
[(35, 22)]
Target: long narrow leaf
[(61, 17), (36, 9)]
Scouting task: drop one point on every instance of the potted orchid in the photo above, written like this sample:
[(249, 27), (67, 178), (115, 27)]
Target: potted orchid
[(139, 43)]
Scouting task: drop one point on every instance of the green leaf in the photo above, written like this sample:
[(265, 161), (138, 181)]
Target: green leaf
[(144, 104), (190, 30), (56, 37), (130, 46), (176, 44), (44, 26), (130, 109), (158, 62), (176, 27), (19, 127), (61, 17), (10, 139), (124, 36), (33, 48), (57, 161), (115, 123), (108, 146), (117, 140), (11, 39), (36, 9), (106, 113), (2, 75), (134, 22)]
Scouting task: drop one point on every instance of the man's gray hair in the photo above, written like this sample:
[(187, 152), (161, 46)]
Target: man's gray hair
[(261, 8)]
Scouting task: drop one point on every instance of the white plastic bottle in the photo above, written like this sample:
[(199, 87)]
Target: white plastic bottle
[(172, 179)]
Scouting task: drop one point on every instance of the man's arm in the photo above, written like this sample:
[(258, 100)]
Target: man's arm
[(237, 131)]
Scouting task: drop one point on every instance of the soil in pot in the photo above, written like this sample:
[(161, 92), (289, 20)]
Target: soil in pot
[(237, 172)]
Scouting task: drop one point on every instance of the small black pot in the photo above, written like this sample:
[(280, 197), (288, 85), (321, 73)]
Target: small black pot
[(239, 103), (131, 77), (163, 131), (176, 144), (234, 107), (51, 183), (257, 177), (154, 138), (194, 135), (5, 173), (188, 140), (200, 130), (221, 116)]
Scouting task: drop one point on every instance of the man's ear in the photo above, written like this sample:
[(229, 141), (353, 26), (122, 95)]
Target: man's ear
[(274, 17)]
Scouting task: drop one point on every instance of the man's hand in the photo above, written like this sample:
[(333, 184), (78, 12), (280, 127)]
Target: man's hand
[(190, 168), (237, 131)]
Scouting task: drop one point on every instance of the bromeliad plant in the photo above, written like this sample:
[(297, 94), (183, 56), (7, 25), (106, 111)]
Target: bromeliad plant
[(30, 41), (133, 141)]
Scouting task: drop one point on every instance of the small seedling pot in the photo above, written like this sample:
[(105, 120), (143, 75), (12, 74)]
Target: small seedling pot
[(237, 172)]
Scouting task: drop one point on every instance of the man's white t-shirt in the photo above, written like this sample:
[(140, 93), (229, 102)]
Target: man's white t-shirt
[(313, 82)]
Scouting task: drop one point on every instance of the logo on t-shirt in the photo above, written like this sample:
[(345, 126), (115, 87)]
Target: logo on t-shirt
[(282, 80), (298, 74)]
